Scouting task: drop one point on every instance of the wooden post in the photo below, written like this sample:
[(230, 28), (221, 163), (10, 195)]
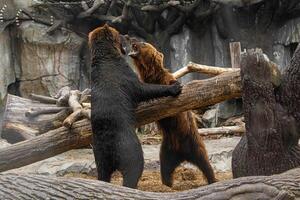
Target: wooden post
[(235, 54)]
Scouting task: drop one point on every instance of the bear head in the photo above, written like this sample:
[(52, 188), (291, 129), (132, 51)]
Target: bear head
[(146, 58), (106, 36)]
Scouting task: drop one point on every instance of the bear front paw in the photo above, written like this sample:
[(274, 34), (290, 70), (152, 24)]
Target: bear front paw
[(175, 89)]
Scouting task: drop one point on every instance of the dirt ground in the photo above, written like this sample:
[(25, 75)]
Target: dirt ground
[(184, 179)]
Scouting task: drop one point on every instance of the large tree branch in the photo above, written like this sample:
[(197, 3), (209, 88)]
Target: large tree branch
[(282, 186), (205, 69), (194, 95)]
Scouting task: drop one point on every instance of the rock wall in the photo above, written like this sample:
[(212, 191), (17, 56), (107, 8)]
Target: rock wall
[(7, 73), (47, 62)]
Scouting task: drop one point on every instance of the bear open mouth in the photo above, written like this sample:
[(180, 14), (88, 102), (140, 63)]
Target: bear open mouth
[(133, 54)]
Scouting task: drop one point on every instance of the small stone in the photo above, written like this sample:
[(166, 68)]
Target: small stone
[(209, 118)]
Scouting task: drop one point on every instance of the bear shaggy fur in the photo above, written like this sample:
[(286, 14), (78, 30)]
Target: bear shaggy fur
[(181, 141), (116, 92)]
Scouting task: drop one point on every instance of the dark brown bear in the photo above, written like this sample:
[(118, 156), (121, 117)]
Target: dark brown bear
[(116, 92), (181, 141)]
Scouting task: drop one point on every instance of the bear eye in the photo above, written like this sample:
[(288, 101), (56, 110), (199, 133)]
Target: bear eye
[(134, 46)]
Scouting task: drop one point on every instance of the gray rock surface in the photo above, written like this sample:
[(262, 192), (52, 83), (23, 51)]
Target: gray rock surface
[(82, 161), (209, 118), (48, 62), (7, 75), (228, 109)]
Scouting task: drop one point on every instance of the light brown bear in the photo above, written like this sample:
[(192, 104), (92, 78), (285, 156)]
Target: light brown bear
[(181, 140)]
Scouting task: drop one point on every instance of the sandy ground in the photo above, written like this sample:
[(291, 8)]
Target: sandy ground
[(184, 179)]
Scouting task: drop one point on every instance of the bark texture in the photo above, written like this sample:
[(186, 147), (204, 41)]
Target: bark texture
[(270, 144), (283, 186), (289, 91)]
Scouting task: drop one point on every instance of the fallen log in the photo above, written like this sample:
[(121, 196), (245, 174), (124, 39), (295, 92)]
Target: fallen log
[(43, 99), (20, 132), (21, 122), (281, 186), (195, 94), (224, 130)]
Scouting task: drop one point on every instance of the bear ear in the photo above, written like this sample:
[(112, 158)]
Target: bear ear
[(160, 55), (106, 26), (107, 32)]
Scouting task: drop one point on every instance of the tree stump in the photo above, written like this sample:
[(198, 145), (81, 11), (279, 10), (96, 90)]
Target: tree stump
[(270, 144)]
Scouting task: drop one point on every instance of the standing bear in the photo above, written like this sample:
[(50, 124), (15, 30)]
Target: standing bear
[(116, 92), (181, 141)]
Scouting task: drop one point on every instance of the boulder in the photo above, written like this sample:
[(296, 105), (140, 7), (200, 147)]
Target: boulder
[(209, 118)]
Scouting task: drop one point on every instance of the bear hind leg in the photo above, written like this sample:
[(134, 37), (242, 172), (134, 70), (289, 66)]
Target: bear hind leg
[(168, 163), (103, 160), (104, 173), (131, 159), (131, 176), (200, 159), (104, 168)]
